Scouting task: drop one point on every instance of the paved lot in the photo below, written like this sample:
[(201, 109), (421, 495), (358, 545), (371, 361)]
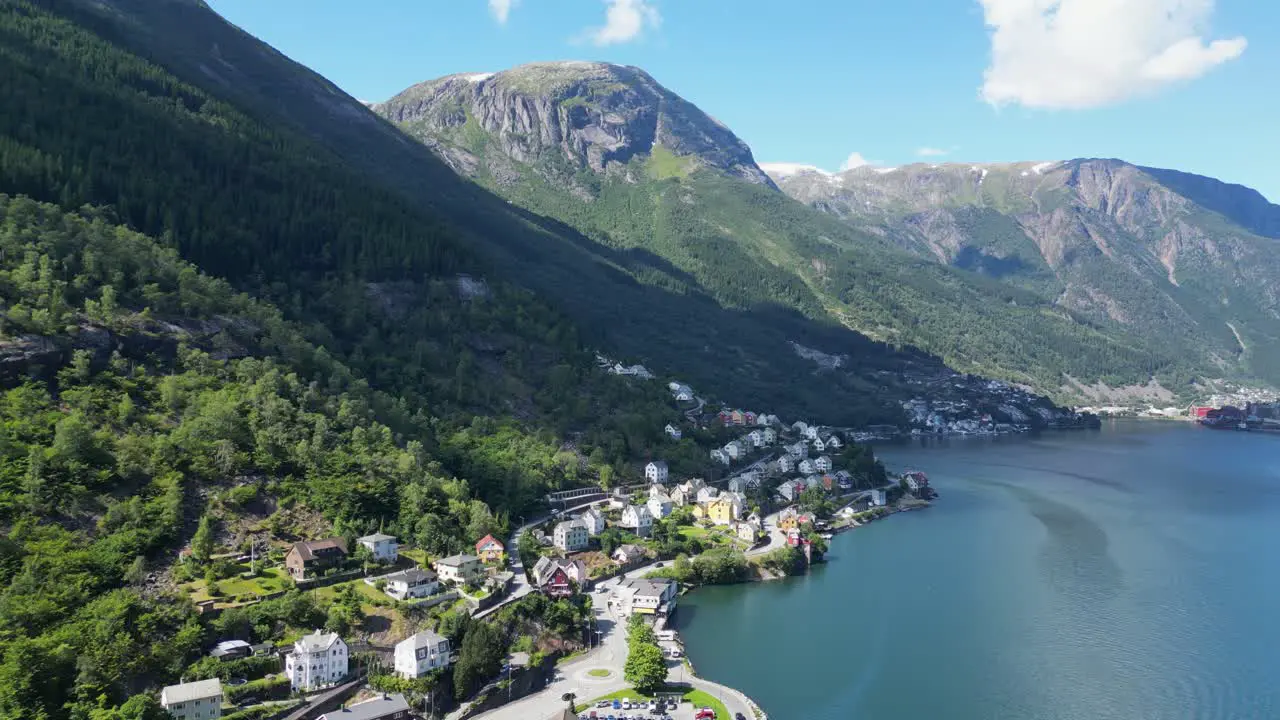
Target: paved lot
[(611, 655)]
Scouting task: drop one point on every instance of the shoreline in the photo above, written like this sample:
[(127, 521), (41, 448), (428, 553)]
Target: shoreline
[(763, 577)]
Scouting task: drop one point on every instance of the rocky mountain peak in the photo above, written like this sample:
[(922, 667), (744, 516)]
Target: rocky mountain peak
[(594, 115)]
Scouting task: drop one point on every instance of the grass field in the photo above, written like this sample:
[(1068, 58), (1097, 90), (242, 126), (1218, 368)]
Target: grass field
[(272, 579)]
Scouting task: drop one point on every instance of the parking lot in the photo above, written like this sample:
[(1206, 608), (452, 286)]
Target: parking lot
[(682, 711)]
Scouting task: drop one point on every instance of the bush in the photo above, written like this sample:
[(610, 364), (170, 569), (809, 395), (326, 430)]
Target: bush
[(249, 668), (274, 686)]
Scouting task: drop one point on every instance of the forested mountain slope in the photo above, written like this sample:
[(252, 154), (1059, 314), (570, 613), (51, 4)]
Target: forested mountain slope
[(290, 123), (639, 170), (1182, 263)]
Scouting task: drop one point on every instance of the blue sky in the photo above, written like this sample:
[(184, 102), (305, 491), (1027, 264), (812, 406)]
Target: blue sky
[(1187, 84)]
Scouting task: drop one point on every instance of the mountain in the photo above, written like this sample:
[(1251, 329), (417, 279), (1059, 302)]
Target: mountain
[(1185, 264), (613, 154)]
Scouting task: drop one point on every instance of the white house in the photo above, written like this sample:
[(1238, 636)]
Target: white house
[(593, 520), (673, 431), (692, 485), (807, 467), (798, 450), (834, 442), (679, 498), (786, 464), (822, 464), (812, 480), (383, 548), (811, 432), (770, 435), (878, 498), (720, 456), (459, 569), (707, 494), (628, 554), (656, 471), (638, 519), (735, 450), (419, 654), (737, 484), (745, 530), (819, 445), (787, 491), (756, 438), (800, 427), (570, 536), (317, 660), (659, 506), (200, 700), (411, 583)]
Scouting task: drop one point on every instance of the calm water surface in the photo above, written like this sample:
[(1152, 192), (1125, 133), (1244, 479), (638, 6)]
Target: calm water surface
[(1128, 573)]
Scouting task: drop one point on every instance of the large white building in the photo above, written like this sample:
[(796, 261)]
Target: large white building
[(656, 471), (383, 548), (593, 520), (570, 536), (200, 700), (317, 660), (644, 596), (638, 519), (420, 654)]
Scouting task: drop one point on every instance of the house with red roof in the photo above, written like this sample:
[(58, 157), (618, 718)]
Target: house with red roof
[(490, 549)]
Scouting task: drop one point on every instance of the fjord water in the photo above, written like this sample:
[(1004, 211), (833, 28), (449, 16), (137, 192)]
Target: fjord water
[(1127, 573)]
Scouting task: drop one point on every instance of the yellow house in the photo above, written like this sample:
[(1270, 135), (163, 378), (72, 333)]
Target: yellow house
[(723, 510), (699, 511), (791, 520)]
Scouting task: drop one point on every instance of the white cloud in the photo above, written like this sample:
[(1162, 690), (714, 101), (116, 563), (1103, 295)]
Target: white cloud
[(501, 9), (1088, 53), (624, 21), (931, 152), (855, 160)]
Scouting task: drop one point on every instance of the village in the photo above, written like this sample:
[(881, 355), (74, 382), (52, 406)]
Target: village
[(772, 497)]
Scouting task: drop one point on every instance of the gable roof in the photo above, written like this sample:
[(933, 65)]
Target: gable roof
[(315, 642), (191, 691), (659, 464), (309, 549), (424, 639), (412, 576), (568, 526), (488, 539), (370, 709)]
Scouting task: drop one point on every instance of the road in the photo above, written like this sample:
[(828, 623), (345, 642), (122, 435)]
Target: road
[(520, 585), (611, 655)]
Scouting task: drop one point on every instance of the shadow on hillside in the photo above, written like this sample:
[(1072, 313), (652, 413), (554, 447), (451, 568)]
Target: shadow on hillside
[(740, 355)]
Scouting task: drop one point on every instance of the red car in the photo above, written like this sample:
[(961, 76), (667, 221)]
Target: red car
[(705, 714)]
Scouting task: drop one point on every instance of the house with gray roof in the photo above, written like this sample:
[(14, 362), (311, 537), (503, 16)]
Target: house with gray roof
[(384, 707), (200, 700)]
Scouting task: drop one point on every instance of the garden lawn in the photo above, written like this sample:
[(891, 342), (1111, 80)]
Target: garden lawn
[(272, 579)]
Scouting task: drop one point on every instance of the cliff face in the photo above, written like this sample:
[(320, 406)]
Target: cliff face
[(1177, 259), (590, 116)]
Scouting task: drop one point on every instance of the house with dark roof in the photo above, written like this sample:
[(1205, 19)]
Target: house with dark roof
[(559, 578), (308, 559), (383, 707)]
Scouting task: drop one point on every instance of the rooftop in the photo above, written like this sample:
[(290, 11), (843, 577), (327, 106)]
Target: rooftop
[(370, 709), (457, 560), (377, 538), (412, 576), (424, 639), (191, 691), (315, 642)]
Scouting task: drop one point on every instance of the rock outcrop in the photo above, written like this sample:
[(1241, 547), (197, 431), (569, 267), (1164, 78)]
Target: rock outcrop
[(587, 115)]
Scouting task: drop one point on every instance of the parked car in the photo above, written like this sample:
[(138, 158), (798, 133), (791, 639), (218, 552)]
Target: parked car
[(705, 713)]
